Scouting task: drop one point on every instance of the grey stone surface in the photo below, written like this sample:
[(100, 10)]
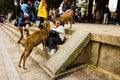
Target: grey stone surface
[(3, 74), (10, 69), (94, 52), (91, 72), (34, 72), (106, 38), (83, 57), (67, 53), (107, 35), (110, 58)]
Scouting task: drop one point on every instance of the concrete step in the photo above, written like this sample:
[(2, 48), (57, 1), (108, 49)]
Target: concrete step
[(9, 66), (31, 29), (11, 72), (86, 73), (65, 56), (34, 71), (15, 35)]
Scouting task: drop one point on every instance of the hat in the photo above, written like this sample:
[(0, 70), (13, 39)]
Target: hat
[(58, 21)]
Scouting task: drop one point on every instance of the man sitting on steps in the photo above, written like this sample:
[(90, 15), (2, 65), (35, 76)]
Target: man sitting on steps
[(57, 36)]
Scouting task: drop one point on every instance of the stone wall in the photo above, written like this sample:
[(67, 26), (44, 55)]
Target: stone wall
[(103, 50), (105, 55), (83, 57), (99, 49)]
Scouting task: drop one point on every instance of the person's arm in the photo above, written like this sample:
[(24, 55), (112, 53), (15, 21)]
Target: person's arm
[(45, 4), (60, 29)]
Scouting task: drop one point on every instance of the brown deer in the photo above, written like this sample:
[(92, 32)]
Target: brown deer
[(65, 17), (40, 36)]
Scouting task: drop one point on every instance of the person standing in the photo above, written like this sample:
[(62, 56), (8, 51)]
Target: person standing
[(60, 10), (24, 6), (31, 10), (36, 4), (117, 18), (66, 5), (73, 7), (42, 12), (106, 14)]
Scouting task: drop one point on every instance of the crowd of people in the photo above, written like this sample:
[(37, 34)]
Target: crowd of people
[(29, 13), (103, 16), (30, 7)]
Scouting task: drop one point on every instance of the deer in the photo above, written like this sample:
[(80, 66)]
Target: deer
[(34, 39), (65, 17)]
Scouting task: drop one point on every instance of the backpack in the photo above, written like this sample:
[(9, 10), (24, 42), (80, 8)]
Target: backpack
[(54, 33)]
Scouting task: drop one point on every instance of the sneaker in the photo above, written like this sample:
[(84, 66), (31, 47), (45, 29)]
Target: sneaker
[(53, 51)]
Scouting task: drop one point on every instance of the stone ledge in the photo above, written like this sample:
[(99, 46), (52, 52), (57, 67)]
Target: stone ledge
[(66, 54), (104, 38)]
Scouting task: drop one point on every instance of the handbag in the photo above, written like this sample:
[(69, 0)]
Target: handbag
[(54, 33)]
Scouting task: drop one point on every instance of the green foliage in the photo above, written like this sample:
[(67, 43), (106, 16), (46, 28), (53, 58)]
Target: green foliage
[(6, 5), (82, 3)]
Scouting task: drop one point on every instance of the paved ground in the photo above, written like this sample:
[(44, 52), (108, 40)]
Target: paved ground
[(7, 48), (97, 28)]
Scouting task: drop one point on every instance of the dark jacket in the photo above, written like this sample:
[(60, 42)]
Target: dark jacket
[(20, 21), (106, 10)]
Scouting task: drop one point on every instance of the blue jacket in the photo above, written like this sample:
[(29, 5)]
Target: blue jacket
[(24, 8)]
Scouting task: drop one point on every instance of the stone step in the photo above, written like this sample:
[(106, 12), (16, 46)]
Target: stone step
[(15, 35), (81, 74), (57, 64), (37, 56), (33, 29), (9, 66), (34, 71), (12, 31)]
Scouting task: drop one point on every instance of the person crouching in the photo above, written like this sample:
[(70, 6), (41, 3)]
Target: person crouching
[(22, 21)]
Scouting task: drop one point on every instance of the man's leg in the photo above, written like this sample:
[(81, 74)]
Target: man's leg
[(41, 21)]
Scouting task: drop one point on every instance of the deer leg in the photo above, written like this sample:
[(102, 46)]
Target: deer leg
[(44, 45), (21, 59), (44, 48), (70, 31), (25, 57)]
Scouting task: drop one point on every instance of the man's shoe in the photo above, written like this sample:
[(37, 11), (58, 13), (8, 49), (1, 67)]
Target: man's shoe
[(53, 51)]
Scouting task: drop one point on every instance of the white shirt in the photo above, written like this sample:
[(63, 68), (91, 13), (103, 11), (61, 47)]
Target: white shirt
[(60, 9), (61, 32)]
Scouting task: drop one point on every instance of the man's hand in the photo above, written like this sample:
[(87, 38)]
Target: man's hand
[(28, 22)]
